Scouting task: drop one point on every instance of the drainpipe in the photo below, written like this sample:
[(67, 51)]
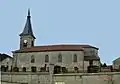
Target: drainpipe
[(51, 68), (83, 64), (83, 59)]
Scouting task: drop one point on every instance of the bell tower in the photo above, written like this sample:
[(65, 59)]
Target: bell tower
[(27, 37)]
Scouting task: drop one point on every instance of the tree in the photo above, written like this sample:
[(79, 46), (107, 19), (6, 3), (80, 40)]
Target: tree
[(104, 65)]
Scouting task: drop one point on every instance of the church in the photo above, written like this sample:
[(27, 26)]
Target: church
[(64, 57)]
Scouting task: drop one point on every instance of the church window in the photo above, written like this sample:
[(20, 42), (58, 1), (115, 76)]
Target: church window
[(32, 43), (75, 58), (59, 58), (25, 43), (32, 59), (46, 58)]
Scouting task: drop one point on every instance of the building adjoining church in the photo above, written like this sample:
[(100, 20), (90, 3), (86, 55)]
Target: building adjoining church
[(65, 57)]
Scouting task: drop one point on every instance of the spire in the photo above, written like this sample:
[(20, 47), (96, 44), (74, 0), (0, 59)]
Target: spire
[(28, 12), (28, 27)]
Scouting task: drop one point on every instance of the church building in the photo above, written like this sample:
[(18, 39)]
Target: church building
[(65, 57)]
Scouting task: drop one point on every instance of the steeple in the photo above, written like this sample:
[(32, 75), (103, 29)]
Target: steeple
[(28, 12), (28, 27), (27, 37)]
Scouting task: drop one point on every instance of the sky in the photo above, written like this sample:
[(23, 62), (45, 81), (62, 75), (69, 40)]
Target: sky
[(93, 22)]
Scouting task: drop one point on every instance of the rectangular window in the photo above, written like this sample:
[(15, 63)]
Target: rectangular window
[(75, 58), (46, 58), (59, 58)]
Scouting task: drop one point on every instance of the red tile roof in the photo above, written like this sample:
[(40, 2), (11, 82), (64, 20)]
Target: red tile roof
[(49, 48)]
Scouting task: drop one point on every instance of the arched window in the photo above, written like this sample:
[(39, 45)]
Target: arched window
[(25, 43), (59, 58), (32, 43), (75, 58), (46, 58), (32, 59)]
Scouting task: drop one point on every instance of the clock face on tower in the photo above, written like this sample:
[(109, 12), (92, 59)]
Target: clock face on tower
[(25, 41)]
